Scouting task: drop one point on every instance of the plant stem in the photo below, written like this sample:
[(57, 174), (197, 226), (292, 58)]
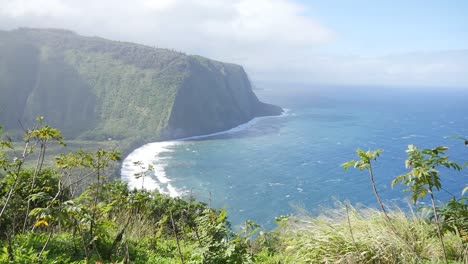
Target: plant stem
[(96, 196), (436, 218), (371, 176), (351, 231), (40, 162), (392, 226), (46, 243), (177, 238), (18, 170)]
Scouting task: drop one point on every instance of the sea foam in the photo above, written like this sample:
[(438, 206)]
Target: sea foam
[(150, 154)]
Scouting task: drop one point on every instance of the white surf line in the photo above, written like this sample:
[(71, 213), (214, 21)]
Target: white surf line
[(149, 154), (236, 129)]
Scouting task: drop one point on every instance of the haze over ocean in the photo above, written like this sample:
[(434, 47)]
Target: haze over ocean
[(277, 163)]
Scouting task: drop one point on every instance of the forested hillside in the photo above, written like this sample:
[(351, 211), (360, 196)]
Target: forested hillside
[(96, 88)]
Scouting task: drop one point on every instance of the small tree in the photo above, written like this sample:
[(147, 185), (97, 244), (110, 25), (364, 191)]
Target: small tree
[(42, 136), (424, 177), (365, 163)]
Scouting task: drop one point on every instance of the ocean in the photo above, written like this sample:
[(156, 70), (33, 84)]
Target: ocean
[(272, 166)]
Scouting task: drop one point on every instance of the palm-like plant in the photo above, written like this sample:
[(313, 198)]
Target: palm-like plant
[(365, 163)]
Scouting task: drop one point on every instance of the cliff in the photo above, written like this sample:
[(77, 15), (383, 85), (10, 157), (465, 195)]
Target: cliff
[(96, 88)]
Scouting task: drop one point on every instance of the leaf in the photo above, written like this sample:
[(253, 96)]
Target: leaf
[(348, 164), (442, 148), (401, 178), (222, 215), (36, 211), (456, 137), (38, 196)]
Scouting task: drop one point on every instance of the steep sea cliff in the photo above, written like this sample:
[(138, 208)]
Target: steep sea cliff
[(95, 88)]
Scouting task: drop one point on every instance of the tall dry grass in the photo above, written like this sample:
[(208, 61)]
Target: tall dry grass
[(347, 234)]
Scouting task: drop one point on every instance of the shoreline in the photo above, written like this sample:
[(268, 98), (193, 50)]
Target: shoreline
[(149, 154)]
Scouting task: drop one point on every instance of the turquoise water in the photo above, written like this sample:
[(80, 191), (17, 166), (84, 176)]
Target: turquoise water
[(280, 163)]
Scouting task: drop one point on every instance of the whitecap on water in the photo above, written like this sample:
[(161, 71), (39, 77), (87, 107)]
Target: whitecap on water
[(275, 184), (412, 136)]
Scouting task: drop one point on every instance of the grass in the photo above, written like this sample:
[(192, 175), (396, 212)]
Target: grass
[(344, 234), (362, 235)]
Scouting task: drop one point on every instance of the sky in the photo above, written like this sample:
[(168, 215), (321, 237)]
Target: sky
[(361, 42)]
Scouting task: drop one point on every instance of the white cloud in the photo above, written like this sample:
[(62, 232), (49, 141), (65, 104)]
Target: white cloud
[(438, 69), (273, 39), (159, 5), (41, 8), (189, 25)]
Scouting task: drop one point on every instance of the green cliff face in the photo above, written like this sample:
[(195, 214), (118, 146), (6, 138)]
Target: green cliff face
[(96, 88)]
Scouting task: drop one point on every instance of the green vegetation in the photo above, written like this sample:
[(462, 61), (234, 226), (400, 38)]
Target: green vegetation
[(47, 216), (350, 235), (423, 179), (45, 220), (59, 202), (95, 89)]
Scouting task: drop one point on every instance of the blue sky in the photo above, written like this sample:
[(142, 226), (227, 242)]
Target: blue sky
[(386, 27), (360, 42)]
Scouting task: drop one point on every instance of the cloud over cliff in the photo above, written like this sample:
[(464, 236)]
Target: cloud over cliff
[(271, 38)]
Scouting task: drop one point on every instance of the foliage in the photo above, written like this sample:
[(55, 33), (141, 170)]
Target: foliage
[(329, 238), (365, 163), (218, 243), (45, 187), (46, 218), (454, 215), (365, 159), (424, 175)]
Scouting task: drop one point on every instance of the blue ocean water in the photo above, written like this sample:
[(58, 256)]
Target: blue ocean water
[(281, 163)]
